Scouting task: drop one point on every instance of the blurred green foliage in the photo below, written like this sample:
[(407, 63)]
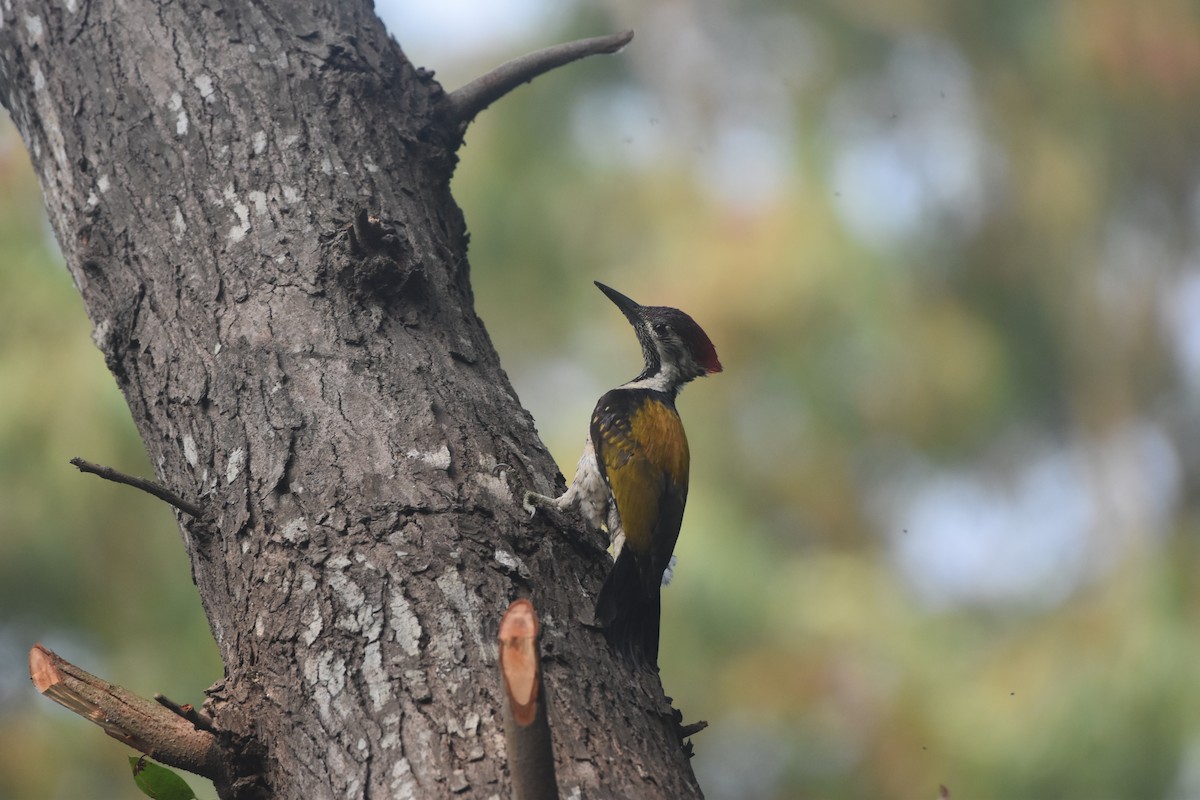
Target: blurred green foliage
[(943, 517), (944, 496), (94, 571)]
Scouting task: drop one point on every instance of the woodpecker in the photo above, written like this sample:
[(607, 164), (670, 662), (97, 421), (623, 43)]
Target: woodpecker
[(633, 475)]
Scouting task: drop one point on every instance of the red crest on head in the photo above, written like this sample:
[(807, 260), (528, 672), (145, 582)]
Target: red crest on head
[(697, 341), (702, 348)]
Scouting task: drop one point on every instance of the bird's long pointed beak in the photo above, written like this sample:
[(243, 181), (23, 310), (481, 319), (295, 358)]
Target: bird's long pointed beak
[(631, 310)]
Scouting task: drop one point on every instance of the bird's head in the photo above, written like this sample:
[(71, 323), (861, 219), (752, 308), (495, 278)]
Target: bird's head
[(675, 348)]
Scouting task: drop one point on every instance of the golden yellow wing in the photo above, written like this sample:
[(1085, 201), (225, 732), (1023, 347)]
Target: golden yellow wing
[(642, 452)]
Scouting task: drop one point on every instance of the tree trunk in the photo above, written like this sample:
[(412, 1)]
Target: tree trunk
[(323, 391)]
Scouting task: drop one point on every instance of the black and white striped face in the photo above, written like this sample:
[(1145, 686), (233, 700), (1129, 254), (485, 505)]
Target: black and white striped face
[(676, 349), (675, 346)]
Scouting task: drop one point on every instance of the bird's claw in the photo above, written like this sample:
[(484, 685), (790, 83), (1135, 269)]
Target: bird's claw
[(527, 503)]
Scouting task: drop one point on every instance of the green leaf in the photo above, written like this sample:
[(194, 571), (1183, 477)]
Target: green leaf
[(159, 782)]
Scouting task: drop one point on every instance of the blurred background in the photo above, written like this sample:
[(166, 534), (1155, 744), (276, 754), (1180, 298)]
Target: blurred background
[(945, 506)]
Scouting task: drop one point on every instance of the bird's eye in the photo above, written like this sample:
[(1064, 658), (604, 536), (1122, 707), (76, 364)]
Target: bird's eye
[(659, 328)]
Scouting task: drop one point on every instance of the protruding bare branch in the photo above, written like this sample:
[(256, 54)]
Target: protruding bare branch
[(140, 723), (462, 105), (187, 711), (150, 487), (526, 729)]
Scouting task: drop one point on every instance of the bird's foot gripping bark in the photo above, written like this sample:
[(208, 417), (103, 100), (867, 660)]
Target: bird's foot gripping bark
[(532, 501)]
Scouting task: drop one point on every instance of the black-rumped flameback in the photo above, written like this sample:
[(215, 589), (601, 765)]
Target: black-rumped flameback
[(633, 476)]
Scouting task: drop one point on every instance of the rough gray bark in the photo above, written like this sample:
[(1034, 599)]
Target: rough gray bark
[(327, 395)]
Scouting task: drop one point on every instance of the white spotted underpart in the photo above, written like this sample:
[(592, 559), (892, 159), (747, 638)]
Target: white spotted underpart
[(588, 492)]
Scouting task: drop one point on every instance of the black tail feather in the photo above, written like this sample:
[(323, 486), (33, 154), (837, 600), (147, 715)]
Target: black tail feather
[(629, 610)]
